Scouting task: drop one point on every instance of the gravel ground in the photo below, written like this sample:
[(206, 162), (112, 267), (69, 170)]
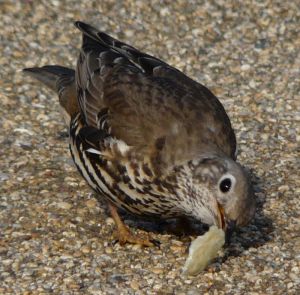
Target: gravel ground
[(56, 238)]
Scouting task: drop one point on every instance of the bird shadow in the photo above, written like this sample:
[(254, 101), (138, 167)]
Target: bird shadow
[(259, 231), (181, 227)]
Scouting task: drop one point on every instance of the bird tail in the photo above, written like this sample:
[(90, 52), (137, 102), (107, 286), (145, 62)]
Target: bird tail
[(61, 80), (54, 77)]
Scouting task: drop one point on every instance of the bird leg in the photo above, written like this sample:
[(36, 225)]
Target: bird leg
[(123, 232)]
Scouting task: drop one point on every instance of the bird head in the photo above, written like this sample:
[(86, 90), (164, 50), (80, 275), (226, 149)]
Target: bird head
[(223, 193)]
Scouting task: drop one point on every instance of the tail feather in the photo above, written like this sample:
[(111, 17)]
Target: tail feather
[(51, 76), (61, 80)]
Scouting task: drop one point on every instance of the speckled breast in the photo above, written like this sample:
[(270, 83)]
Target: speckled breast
[(128, 185)]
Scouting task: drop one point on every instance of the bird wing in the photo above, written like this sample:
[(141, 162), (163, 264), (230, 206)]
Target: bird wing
[(154, 108)]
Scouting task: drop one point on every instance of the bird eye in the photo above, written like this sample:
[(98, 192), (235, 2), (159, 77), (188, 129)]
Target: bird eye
[(225, 185)]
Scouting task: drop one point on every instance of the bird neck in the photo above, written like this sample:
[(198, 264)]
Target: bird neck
[(195, 199)]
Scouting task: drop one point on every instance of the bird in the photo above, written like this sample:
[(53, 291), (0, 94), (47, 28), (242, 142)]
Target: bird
[(147, 138)]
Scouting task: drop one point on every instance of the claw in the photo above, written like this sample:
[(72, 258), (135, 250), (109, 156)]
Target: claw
[(156, 243)]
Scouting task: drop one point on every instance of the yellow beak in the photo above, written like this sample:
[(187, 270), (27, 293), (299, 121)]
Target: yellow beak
[(222, 223)]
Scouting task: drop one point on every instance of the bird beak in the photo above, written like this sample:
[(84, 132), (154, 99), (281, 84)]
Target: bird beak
[(222, 223), (227, 225)]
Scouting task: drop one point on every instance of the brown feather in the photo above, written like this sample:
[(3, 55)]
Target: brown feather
[(147, 101)]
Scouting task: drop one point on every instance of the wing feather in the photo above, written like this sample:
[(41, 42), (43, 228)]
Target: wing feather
[(151, 106)]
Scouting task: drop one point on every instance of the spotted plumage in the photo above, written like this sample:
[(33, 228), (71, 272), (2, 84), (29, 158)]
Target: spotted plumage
[(146, 137)]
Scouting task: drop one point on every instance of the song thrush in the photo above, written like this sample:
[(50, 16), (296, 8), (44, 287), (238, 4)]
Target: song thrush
[(147, 138)]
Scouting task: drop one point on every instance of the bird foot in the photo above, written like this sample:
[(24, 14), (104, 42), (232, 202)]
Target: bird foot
[(124, 235)]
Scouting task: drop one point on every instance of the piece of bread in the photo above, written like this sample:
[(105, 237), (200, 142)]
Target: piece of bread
[(203, 249)]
